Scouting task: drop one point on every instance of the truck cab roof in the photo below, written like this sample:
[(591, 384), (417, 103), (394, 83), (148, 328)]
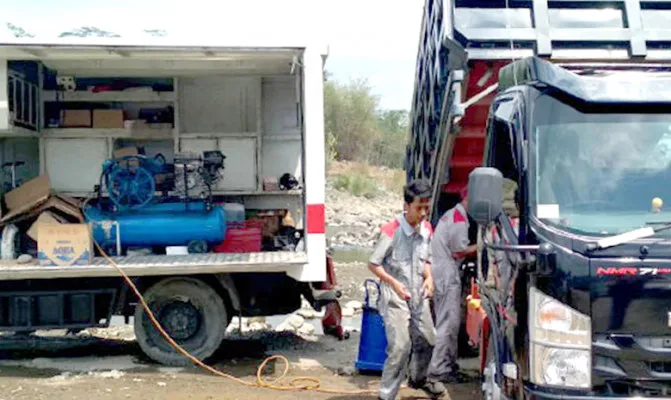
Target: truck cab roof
[(591, 85)]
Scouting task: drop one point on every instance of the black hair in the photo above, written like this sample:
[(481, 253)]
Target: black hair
[(417, 188)]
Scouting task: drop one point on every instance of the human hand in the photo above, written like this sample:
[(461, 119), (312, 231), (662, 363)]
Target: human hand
[(427, 288), (401, 290)]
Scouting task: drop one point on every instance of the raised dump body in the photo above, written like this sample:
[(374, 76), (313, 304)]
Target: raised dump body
[(463, 45)]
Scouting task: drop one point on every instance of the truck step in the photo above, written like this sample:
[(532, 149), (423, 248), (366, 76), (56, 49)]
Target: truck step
[(161, 265)]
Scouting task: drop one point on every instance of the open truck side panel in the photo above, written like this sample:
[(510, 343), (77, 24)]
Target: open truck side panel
[(456, 126), (260, 104)]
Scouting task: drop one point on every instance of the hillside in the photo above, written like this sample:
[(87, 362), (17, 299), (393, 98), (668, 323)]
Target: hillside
[(359, 199)]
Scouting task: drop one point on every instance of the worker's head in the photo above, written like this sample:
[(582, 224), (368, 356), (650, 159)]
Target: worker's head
[(463, 194), (416, 200)]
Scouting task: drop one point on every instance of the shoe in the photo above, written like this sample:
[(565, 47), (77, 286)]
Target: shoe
[(455, 377), (433, 389)]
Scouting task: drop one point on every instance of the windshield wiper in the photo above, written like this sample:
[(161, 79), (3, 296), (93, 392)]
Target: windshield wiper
[(632, 235)]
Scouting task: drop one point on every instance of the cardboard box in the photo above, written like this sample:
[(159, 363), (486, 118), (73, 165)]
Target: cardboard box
[(125, 151), (64, 244), (108, 119), (35, 196), (76, 118), (45, 217)]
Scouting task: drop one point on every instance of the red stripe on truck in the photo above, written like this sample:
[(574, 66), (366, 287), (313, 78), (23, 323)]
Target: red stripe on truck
[(316, 216)]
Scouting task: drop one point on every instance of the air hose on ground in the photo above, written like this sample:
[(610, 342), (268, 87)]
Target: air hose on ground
[(307, 383)]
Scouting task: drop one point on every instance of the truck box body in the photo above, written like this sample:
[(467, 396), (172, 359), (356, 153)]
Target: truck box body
[(68, 105), (253, 104)]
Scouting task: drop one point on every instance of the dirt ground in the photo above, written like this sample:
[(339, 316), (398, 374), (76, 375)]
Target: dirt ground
[(110, 365), (78, 368)]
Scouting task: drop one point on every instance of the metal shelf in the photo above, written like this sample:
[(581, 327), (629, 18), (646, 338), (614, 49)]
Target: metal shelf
[(116, 133), (288, 193), (107, 97)]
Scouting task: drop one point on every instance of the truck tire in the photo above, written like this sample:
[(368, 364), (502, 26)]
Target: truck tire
[(190, 311)]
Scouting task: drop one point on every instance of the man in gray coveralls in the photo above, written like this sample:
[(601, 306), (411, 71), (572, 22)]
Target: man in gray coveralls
[(401, 260), (449, 247)]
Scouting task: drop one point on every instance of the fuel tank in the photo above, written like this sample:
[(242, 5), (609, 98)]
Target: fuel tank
[(164, 224)]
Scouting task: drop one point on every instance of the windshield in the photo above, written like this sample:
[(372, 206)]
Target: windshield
[(600, 174)]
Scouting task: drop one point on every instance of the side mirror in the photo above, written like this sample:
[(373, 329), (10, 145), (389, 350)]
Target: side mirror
[(485, 194)]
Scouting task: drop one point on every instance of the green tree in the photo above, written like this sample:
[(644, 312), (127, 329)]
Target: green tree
[(389, 149), (351, 118)]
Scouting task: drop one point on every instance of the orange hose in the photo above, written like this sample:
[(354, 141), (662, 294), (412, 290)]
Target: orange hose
[(313, 384)]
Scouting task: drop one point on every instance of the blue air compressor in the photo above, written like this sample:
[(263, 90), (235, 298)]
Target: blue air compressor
[(164, 224), (132, 216)]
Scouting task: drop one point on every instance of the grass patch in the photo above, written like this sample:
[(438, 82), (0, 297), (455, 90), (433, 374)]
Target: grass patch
[(357, 184)]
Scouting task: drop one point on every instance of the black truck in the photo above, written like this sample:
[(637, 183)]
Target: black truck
[(570, 297)]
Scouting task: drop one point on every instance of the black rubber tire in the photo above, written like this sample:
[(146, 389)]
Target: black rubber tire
[(211, 328)]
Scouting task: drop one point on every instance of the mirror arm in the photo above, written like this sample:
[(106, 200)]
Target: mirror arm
[(516, 248)]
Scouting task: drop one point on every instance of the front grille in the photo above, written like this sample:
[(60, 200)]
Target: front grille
[(628, 365), (660, 367), (642, 389)]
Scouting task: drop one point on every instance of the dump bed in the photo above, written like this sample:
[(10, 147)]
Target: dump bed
[(69, 106), (464, 43)]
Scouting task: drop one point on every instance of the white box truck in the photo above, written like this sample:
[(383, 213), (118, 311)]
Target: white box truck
[(72, 107)]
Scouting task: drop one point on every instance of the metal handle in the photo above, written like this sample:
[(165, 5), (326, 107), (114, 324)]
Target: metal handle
[(365, 286)]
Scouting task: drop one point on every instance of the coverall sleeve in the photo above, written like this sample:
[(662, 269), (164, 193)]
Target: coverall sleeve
[(459, 239), (382, 249)]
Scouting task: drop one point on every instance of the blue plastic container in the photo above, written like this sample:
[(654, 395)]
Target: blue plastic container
[(373, 341), (165, 224)]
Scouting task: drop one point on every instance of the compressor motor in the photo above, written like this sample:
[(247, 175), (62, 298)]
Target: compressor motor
[(132, 181)]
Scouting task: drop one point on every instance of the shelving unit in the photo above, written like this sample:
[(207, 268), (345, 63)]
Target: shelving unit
[(240, 134), (121, 96), (145, 134)]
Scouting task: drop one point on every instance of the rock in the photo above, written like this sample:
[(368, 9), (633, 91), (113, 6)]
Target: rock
[(256, 320), (162, 384), (113, 374), (295, 321), (257, 326), (306, 329), (24, 259), (354, 305), (306, 313), (347, 371), (285, 327)]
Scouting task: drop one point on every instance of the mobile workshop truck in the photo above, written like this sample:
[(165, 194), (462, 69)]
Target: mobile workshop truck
[(570, 101), (200, 168)]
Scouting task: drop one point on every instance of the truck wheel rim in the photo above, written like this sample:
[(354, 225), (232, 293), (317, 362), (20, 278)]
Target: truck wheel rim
[(181, 320)]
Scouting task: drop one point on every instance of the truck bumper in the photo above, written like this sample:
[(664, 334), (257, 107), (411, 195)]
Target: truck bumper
[(536, 394)]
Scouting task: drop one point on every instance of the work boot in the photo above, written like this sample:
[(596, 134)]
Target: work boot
[(453, 378), (433, 389)]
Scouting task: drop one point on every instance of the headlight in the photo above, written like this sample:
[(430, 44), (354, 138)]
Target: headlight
[(561, 343)]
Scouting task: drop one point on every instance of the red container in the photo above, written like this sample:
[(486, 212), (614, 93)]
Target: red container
[(241, 238)]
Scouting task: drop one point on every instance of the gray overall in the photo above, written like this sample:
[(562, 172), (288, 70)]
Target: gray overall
[(450, 238), (403, 252)]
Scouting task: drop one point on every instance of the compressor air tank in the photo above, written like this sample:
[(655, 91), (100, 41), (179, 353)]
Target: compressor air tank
[(164, 224)]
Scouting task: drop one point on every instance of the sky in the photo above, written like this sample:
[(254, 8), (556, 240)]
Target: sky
[(372, 39)]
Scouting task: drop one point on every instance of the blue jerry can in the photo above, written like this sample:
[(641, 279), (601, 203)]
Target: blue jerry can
[(373, 341)]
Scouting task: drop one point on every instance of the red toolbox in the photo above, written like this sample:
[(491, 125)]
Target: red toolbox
[(241, 237)]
